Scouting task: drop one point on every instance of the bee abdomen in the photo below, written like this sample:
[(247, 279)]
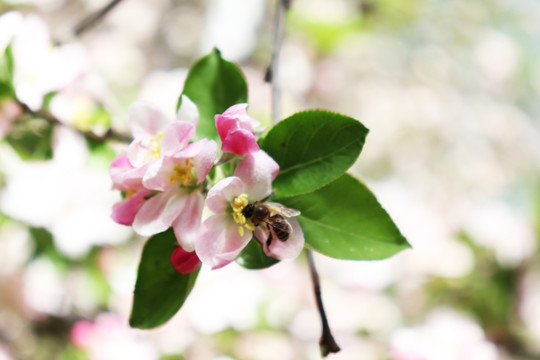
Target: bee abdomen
[(280, 226)]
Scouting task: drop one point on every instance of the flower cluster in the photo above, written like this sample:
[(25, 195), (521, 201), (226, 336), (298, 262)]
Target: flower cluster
[(164, 176)]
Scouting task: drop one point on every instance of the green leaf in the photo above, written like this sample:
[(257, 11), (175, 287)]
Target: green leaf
[(344, 220), (312, 149), (31, 138), (6, 74), (160, 290), (253, 257), (214, 85)]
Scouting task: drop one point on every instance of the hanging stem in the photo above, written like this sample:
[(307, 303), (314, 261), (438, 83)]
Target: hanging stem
[(327, 343)]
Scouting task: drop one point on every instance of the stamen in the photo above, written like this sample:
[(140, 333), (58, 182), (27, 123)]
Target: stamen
[(238, 204), (155, 145), (183, 174)]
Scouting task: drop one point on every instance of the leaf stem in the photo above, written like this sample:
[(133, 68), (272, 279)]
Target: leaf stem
[(272, 71), (327, 343)]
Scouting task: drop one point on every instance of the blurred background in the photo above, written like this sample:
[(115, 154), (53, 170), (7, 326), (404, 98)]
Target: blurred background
[(449, 90)]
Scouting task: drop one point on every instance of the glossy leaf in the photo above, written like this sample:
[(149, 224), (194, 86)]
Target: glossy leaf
[(214, 85), (344, 220), (312, 149), (160, 290), (253, 257)]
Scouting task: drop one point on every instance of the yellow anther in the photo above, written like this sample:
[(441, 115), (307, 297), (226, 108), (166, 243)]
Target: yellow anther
[(249, 227), (183, 174), (238, 204), (155, 145), (130, 192)]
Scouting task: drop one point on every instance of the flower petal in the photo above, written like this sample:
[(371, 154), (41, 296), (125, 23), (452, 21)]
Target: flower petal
[(223, 192), (158, 212), (124, 211), (188, 111), (146, 120), (219, 242), (186, 225), (124, 175), (241, 142), (184, 262), (204, 154), (176, 136), (257, 170), (289, 249), (157, 174)]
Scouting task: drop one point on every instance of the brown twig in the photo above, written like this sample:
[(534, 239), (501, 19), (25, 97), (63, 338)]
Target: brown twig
[(110, 134), (327, 343), (94, 18)]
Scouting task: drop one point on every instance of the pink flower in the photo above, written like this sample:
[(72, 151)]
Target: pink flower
[(235, 128), (184, 262), (223, 236), (176, 177), (154, 132), (127, 179)]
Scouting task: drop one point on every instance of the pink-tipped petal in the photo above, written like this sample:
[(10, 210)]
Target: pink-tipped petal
[(157, 213), (219, 242), (176, 136), (124, 212), (223, 192), (238, 112), (205, 159), (186, 225), (241, 142), (289, 249), (257, 170), (225, 125), (188, 111), (124, 176), (146, 120), (185, 262)]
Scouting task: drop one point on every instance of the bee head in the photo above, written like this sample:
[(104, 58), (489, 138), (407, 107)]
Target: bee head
[(248, 211)]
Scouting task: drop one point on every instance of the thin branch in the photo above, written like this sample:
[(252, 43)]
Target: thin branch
[(110, 134), (94, 18), (272, 71), (327, 343)]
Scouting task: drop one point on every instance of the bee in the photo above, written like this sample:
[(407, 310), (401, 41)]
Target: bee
[(273, 217)]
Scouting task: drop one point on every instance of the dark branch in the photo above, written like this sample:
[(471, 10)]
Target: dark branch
[(327, 343), (272, 71), (110, 134), (94, 18)]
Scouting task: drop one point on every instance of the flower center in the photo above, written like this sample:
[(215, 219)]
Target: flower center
[(238, 204), (183, 173), (154, 145)]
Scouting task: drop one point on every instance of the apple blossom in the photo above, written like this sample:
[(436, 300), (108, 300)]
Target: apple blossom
[(151, 129), (235, 128), (223, 235), (179, 202)]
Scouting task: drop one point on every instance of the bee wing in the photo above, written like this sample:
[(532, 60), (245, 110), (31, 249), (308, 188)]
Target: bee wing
[(283, 210)]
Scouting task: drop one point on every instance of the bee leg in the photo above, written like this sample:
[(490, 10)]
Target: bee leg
[(269, 240)]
